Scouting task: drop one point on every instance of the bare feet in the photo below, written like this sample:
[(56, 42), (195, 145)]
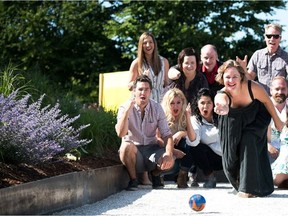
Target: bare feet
[(245, 195)]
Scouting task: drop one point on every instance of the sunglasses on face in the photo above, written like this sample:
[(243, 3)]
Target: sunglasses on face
[(276, 36)]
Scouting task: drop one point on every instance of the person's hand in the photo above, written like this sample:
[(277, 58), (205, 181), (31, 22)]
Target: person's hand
[(242, 62), (221, 109), (174, 74), (130, 86), (177, 137), (221, 104), (188, 110), (167, 161), (146, 72), (279, 126), (273, 152), (178, 153), (132, 103)]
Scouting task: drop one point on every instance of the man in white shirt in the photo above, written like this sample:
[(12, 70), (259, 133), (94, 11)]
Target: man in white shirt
[(278, 91)]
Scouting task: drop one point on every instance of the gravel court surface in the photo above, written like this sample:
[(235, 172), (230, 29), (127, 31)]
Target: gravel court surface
[(174, 201)]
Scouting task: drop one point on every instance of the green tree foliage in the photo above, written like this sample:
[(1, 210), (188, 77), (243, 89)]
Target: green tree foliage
[(65, 39), (71, 42), (180, 24)]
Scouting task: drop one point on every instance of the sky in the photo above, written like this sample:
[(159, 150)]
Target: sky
[(281, 17)]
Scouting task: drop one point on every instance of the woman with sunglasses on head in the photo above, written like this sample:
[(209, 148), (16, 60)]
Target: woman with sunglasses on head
[(268, 62)]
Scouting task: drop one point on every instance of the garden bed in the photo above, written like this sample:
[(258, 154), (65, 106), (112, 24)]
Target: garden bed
[(62, 192), (58, 185), (15, 174)]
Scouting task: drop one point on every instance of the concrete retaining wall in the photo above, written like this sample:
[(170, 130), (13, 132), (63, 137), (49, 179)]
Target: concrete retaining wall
[(68, 191), (62, 192)]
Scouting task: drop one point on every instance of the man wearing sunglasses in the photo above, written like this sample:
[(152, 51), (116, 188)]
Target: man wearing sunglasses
[(269, 62)]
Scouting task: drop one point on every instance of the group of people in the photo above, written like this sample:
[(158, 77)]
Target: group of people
[(202, 113)]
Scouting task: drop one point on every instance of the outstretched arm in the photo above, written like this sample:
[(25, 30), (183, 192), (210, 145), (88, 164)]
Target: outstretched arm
[(167, 158), (260, 94), (221, 102)]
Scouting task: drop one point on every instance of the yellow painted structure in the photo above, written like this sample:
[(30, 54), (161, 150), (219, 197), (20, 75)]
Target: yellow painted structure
[(113, 90)]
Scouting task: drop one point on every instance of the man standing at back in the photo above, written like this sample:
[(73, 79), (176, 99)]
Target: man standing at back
[(278, 90), (209, 66), (269, 62), (137, 123)]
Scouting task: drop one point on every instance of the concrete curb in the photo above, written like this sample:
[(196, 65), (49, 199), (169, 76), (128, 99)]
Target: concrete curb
[(61, 192)]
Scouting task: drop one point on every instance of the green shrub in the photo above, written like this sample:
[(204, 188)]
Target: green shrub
[(101, 130), (11, 80), (53, 92)]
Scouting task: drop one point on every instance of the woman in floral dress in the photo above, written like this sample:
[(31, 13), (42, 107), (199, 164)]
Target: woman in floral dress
[(280, 165)]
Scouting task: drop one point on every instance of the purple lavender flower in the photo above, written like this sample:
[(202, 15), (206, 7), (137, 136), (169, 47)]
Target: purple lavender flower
[(29, 133)]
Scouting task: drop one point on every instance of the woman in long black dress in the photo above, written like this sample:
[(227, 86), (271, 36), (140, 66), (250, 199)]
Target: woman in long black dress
[(245, 111)]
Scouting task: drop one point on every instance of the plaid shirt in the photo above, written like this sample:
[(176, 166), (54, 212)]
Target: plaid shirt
[(268, 66), (144, 132)]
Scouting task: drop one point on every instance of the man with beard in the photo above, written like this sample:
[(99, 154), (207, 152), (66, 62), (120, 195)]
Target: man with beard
[(278, 91)]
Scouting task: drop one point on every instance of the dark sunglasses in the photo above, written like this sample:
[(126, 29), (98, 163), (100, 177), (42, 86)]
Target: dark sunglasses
[(272, 35)]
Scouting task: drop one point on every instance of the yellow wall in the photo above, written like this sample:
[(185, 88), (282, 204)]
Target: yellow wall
[(113, 89)]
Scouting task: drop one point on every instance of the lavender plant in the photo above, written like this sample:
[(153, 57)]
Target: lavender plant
[(29, 133)]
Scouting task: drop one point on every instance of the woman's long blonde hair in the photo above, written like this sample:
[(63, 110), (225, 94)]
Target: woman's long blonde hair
[(156, 62), (175, 124)]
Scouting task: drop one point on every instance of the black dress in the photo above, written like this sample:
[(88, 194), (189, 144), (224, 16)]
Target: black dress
[(243, 137)]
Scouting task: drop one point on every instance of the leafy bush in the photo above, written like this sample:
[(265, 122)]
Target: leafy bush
[(101, 130), (29, 133)]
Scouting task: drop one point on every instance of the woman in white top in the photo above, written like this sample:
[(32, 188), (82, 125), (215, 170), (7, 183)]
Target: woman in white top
[(207, 152), (150, 63)]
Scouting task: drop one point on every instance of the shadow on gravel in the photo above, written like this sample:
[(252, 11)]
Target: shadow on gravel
[(279, 196), (126, 198)]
